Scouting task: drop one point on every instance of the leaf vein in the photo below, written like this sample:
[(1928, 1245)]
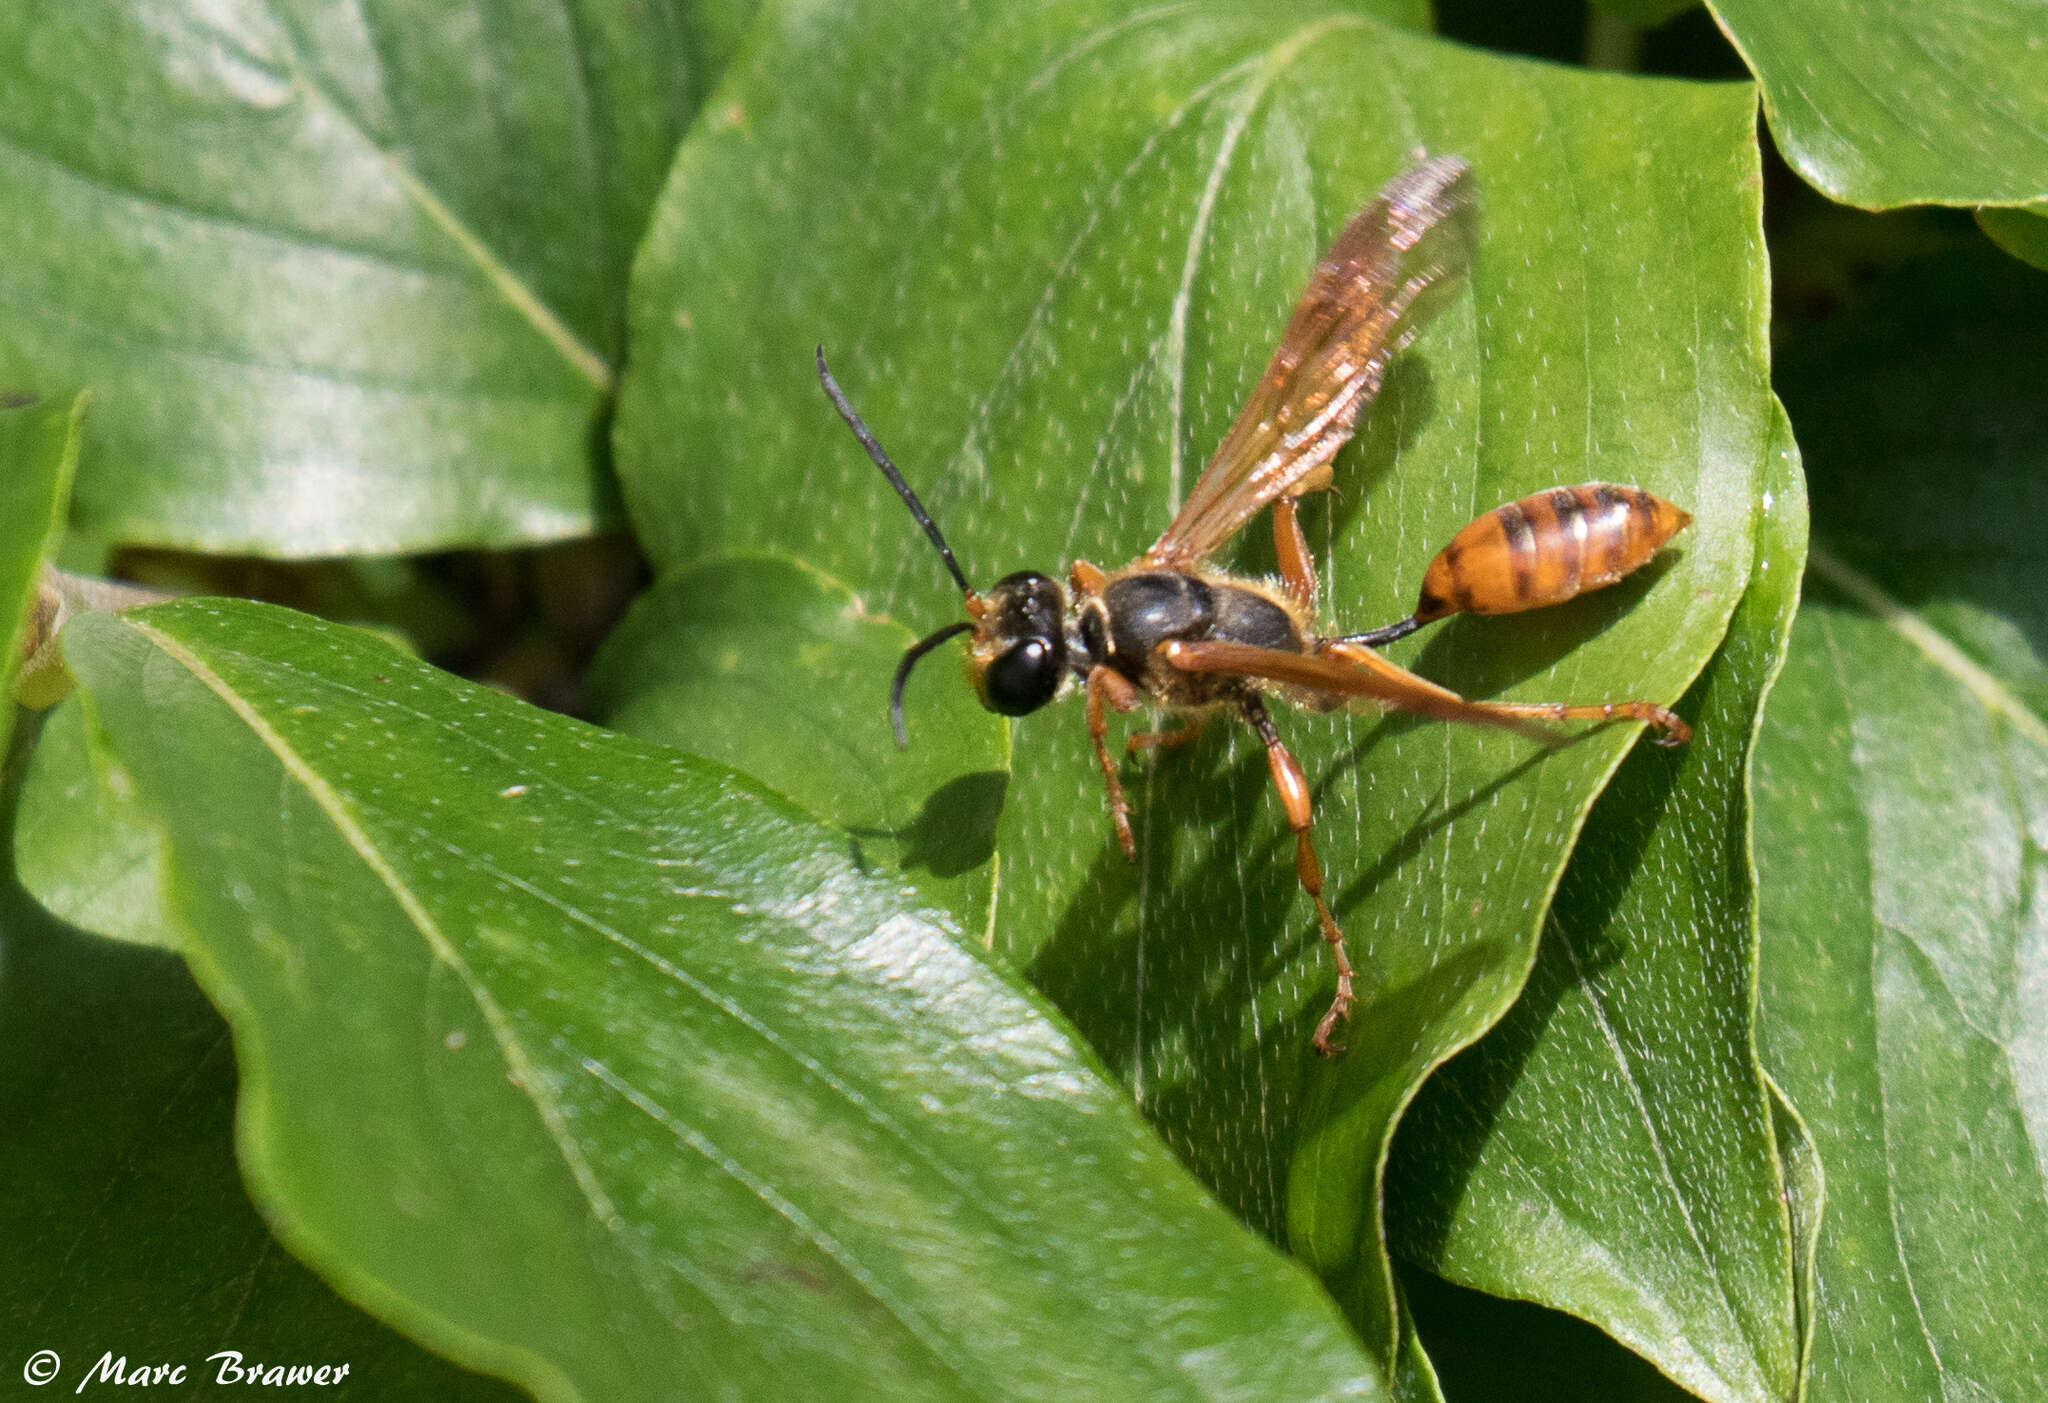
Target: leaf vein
[(1630, 1081), (509, 285), (1990, 693), (330, 802)]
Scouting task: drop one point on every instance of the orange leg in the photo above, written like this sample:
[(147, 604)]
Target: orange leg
[(1342, 669), (1166, 740), (1112, 688), (1297, 566), (1299, 807), (1670, 729)]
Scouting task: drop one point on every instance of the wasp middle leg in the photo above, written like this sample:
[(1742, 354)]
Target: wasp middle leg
[(1295, 799), (1290, 548)]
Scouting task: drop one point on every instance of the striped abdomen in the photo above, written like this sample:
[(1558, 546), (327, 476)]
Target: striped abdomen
[(1546, 549)]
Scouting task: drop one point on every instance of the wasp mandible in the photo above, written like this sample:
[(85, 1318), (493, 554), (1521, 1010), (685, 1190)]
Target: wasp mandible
[(1175, 632)]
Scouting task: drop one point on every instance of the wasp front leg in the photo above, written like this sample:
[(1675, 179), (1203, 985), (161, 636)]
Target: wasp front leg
[(1167, 740), (1107, 687), (1300, 809)]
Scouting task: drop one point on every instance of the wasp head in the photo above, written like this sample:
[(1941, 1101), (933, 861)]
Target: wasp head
[(1018, 654)]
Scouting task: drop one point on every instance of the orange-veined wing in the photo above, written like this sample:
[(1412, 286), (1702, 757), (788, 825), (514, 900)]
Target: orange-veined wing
[(1381, 280)]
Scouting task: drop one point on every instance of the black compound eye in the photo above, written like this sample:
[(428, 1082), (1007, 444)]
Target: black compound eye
[(1022, 678)]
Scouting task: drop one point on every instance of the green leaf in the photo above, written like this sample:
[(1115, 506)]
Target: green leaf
[(2023, 233), (1902, 823), (125, 1226), (782, 674), (1609, 1149), (551, 1039), (1898, 104), (1898, 1009), (38, 455), (1049, 249), (344, 278)]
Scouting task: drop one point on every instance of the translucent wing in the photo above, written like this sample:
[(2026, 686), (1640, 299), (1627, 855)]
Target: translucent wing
[(1381, 280)]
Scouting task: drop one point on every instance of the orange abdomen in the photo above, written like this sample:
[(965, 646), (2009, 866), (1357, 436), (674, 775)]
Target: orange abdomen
[(1546, 549)]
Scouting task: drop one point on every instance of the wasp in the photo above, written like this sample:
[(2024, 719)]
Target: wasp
[(1175, 632)]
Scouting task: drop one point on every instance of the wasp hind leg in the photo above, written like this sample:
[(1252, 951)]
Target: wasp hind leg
[(1670, 728), (1308, 869)]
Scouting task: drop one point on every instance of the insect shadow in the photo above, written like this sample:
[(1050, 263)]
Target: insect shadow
[(955, 828), (1199, 992)]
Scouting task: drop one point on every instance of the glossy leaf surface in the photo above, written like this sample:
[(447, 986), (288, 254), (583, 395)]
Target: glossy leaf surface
[(783, 675), (124, 1221), (1609, 1148), (343, 277), (1048, 250), (551, 1039), (1901, 102), (1902, 824)]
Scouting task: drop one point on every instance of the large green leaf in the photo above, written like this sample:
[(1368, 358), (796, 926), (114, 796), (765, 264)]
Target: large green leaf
[(1609, 1148), (344, 277), (1049, 249), (1902, 823), (123, 1222), (1903, 102), (591, 1065), (125, 1228)]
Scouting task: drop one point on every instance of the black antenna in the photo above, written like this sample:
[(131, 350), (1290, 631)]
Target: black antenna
[(924, 519), (917, 650)]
